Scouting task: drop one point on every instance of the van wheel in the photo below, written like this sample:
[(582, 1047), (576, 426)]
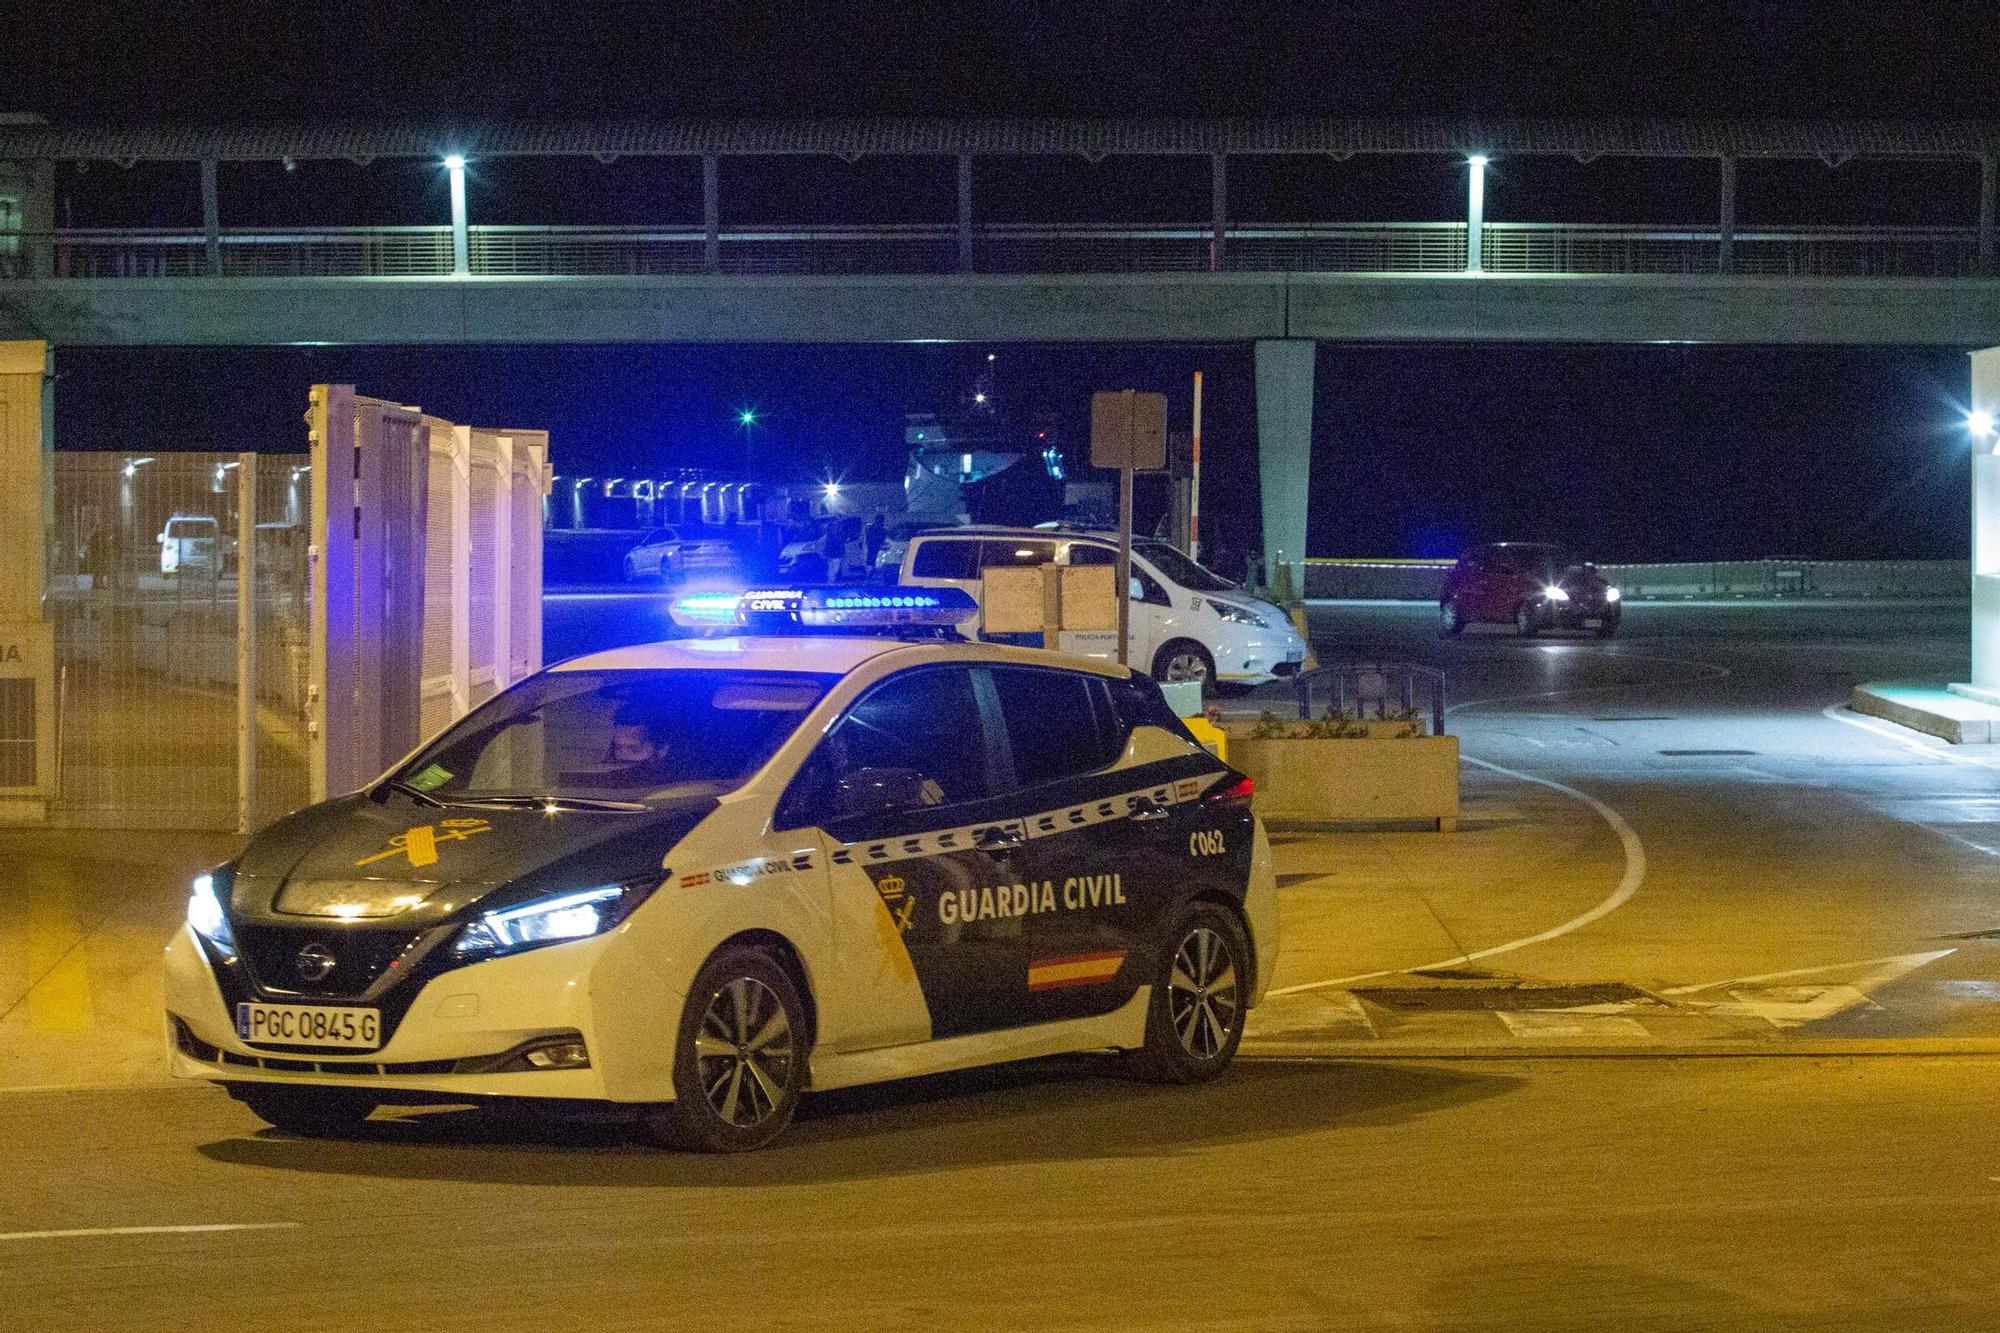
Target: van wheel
[(1524, 621), (1181, 660), (310, 1113), (740, 1059), (1195, 1019)]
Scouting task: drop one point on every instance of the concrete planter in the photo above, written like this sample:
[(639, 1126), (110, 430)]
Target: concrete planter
[(1353, 780)]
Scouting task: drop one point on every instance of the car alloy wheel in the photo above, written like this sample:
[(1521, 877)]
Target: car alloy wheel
[(1202, 996), (1195, 1019), (739, 1059), (1183, 661), (1450, 620), (743, 1053)]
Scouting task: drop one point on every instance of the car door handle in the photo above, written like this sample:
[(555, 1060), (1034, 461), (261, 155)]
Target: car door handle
[(998, 840), (1147, 809)]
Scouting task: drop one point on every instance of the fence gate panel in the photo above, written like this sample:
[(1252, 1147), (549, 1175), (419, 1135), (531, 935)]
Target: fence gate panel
[(142, 591)]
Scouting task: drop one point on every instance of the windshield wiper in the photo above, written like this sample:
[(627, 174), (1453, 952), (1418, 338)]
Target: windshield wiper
[(416, 794), (558, 802)]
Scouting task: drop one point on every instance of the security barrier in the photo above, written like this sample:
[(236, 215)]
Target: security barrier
[(1423, 580)]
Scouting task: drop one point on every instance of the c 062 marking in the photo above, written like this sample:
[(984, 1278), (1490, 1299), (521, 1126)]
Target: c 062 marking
[(1206, 842)]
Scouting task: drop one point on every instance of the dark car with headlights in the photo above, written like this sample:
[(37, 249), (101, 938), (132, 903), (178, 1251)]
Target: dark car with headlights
[(1533, 586)]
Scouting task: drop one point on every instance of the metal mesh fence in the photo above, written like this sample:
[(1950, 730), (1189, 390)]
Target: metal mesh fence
[(281, 635), (142, 593)]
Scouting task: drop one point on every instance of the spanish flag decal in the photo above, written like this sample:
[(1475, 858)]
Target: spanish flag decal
[(1077, 969)]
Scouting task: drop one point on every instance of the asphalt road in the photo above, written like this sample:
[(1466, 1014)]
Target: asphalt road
[(1817, 877), (1778, 837), (1580, 1194)]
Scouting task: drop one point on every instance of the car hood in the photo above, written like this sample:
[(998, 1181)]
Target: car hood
[(357, 861), (1579, 579)]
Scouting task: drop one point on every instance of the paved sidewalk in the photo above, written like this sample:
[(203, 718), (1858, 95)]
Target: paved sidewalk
[(84, 916)]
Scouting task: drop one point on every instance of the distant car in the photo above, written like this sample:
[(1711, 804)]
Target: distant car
[(657, 557), (1187, 623), (1532, 586), (895, 542), (188, 542), (668, 554)]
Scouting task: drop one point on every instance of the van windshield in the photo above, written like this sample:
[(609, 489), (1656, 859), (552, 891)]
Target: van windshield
[(1179, 569)]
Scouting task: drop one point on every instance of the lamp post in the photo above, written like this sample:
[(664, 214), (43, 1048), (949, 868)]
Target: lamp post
[(1475, 211), (460, 258)]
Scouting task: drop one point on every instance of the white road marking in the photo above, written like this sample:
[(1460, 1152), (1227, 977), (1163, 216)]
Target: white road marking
[(1882, 972), (1628, 884), (1564, 1024), (198, 1229)]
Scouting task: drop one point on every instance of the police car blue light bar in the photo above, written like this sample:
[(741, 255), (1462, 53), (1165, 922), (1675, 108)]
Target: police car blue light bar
[(776, 609)]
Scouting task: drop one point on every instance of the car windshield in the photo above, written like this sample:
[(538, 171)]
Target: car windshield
[(1179, 569), (616, 735), (1539, 559)]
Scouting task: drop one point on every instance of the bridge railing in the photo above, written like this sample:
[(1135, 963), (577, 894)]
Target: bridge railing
[(1366, 247)]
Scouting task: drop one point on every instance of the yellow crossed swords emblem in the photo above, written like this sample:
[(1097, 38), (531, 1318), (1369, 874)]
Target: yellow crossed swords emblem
[(420, 843), (891, 888)]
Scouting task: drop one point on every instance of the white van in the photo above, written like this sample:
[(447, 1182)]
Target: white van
[(1188, 622)]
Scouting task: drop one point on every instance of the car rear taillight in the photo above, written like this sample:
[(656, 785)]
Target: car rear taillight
[(1229, 793)]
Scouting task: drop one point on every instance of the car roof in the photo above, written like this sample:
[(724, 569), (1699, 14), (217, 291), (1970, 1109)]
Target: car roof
[(819, 654), (1046, 534)]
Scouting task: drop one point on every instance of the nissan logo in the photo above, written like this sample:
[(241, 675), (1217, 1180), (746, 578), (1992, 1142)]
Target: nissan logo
[(315, 963)]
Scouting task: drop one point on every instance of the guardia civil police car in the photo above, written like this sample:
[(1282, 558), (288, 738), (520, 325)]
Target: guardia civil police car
[(702, 877)]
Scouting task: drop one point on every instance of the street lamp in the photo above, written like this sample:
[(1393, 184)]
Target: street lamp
[(455, 164), (1475, 211)]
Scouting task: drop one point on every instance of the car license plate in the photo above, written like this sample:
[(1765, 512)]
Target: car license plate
[(309, 1025)]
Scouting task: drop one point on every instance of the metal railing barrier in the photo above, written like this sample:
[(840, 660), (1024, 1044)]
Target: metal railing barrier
[(1359, 687)]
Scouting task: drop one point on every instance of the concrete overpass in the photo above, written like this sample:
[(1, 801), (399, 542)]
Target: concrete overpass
[(969, 278)]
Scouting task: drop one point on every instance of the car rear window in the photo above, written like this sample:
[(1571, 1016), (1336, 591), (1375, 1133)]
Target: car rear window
[(1059, 723), (946, 558)]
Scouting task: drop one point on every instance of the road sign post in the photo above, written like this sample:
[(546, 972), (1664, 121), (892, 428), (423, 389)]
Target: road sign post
[(1128, 431)]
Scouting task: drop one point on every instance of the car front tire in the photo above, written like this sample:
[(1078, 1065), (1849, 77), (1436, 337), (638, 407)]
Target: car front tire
[(1183, 660), (1451, 621), (739, 1060), (1194, 1021)]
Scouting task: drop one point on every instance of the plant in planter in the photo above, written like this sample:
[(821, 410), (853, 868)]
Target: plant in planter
[(1339, 769)]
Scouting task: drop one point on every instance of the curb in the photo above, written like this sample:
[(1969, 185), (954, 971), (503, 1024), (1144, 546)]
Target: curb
[(1725, 1049)]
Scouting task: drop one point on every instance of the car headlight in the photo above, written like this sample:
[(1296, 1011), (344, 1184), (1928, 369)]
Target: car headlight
[(1555, 594), (552, 920), (1234, 614), (1611, 594), (206, 917)]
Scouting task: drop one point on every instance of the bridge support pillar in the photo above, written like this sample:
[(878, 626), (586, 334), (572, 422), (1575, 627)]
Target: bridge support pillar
[(1986, 531), (1725, 222), (211, 217), (1284, 456), (1989, 192)]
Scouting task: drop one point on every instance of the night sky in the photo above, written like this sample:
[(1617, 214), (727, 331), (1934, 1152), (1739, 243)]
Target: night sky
[(1661, 452)]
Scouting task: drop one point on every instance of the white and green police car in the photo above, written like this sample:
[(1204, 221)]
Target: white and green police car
[(706, 876)]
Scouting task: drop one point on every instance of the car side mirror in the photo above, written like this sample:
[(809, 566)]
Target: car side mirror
[(1136, 590), (881, 791)]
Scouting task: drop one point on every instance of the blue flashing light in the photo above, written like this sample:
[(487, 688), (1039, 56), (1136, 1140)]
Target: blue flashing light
[(705, 609), (776, 610)]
